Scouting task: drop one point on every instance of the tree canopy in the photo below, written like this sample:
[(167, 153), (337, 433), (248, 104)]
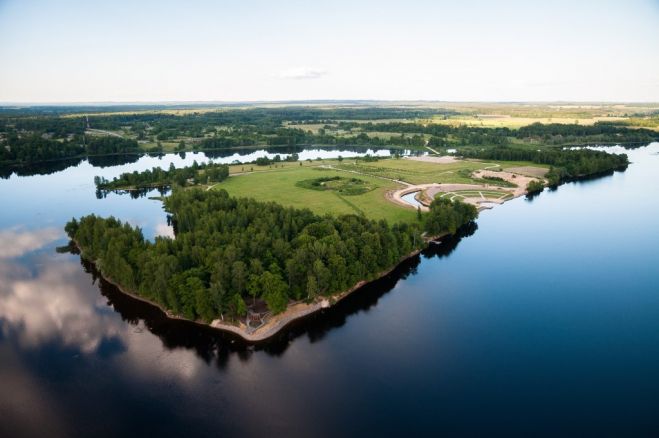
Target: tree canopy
[(228, 251)]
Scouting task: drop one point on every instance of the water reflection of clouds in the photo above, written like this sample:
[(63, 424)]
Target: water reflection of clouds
[(51, 306), (48, 299), (16, 242)]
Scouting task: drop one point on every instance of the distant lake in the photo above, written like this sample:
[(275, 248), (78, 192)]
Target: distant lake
[(541, 320)]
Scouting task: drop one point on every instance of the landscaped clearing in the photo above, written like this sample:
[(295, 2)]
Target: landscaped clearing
[(375, 188), (281, 185)]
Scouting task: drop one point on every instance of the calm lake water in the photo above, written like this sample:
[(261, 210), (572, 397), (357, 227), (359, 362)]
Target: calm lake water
[(542, 320)]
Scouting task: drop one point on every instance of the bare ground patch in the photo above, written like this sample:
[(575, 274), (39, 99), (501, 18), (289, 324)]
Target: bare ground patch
[(538, 172)]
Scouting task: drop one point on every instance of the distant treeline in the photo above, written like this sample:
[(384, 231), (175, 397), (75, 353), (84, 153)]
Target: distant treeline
[(298, 136), (548, 134), (565, 163), (31, 138), (35, 148), (229, 251), (157, 177)]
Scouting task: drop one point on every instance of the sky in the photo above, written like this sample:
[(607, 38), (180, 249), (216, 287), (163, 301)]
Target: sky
[(70, 51)]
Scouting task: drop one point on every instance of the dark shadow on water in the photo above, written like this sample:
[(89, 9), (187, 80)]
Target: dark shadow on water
[(44, 168), (215, 346), (209, 344), (113, 160)]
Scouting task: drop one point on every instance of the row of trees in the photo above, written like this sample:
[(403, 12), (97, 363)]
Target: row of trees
[(167, 126), (229, 252), (550, 134), (600, 132), (265, 161), (157, 177)]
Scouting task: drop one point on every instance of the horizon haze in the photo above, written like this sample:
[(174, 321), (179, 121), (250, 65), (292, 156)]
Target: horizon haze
[(153, 52)]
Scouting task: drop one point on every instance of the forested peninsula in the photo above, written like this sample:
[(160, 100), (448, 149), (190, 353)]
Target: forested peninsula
[(566, 164), (156, 177), (230, 253)]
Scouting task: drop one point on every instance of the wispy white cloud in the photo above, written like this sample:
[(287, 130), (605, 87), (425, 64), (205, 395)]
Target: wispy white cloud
[(302, 73)]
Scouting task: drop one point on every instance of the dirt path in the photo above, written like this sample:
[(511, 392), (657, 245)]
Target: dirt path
[(431, 190), (431, 149), (520, 181), (100, 131)]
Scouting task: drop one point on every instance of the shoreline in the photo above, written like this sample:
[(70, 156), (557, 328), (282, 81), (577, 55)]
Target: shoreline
[(23, 164), (299, 310), (275, 323)]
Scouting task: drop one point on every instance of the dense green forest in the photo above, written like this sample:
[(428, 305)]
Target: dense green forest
[(34, 148), (547, 134), (28, 136), (447, 216), (110, 145), (565, 164), (157, 177), (229, 252)]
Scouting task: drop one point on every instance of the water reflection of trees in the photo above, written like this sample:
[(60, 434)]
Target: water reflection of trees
[(50, 167), (113, 160), (214, 346), (45, 303), (135, 193), (45, 168)]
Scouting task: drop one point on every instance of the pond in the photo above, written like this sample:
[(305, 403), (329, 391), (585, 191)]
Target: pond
[(410, 198)]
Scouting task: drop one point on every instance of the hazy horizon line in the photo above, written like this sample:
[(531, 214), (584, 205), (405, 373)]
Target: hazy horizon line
[(310, 101)]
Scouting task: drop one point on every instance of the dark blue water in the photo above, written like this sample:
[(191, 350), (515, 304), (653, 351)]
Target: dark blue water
[(542, 321)]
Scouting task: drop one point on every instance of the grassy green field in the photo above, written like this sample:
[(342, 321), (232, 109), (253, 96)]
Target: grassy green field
[(420, 172), (280, 185), (285, 183)]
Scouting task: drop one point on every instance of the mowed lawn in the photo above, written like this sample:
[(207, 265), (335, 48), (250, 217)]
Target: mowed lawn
[(421, 172), (279, 185)]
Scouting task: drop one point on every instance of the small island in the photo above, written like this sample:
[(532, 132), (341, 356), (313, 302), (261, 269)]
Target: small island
[(257, 250), (233, 255)]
